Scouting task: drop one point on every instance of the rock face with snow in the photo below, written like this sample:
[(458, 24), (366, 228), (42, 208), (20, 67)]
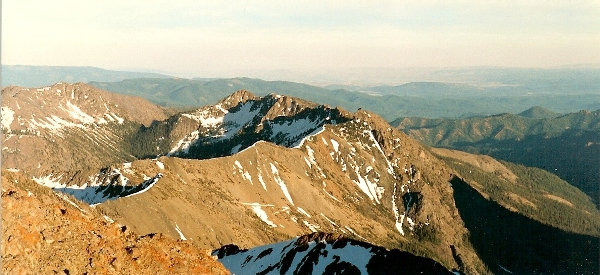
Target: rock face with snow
[(235, 123), (321, 253), (63, 133)]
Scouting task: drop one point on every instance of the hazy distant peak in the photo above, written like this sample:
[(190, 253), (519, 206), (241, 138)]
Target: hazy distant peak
[(538, 112)]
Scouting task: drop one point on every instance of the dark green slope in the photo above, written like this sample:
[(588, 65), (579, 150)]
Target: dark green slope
[(567, 145), (509, 242)]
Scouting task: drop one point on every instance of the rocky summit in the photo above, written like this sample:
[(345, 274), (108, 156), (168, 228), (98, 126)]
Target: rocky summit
[(45, 232)]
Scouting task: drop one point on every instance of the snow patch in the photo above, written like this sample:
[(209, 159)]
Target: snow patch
[(181, 236), (262, 182), (249, 262), (204, 119), (245, 175), (303, 212), (390, 170), (127, 168), (308, 162), (282, 185), (410, 223), (398, 223), (94, 192), (50, 181), (151, 182), (7, 117), (336, 145), (369, 188), (66, 198), (505, 269), (235, 121), (108, 219), (352, 231), (313, 161), (183, 144), (78, 114), (226, 125), (256, 207), (53, 123), (315, 132), (120, 120), (329, 220), (312, 227), (330, 195), (236, 149)]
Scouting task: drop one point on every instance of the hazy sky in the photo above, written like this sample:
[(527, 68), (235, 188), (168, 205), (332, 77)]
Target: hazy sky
[(228, 38)]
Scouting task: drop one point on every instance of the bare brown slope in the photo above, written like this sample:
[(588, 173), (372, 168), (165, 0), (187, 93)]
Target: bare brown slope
[(483, 162), (36, 103), (336, 181), (45, 233), (69, 130)]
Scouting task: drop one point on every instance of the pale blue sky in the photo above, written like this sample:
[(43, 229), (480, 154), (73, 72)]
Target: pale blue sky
[(221, 38)]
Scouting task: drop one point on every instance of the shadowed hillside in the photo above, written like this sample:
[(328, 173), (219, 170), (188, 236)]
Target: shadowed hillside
[(509, 241)]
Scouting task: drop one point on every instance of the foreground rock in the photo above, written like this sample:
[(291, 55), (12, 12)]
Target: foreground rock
[(48, 233)]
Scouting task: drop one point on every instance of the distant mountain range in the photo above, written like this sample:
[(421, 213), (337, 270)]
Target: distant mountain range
[(38, 76), (567, 145), (561, 90)]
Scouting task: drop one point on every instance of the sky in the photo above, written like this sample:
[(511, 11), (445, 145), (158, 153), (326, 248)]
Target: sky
[(250, 38)]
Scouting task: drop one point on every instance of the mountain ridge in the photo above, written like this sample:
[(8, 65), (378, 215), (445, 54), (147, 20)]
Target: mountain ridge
[(305, 168), (80, 128), (193, 93)]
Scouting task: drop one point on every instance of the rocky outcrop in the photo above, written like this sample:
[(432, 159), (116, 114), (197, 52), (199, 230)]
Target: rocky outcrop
[(234, 124), (49, 233)]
